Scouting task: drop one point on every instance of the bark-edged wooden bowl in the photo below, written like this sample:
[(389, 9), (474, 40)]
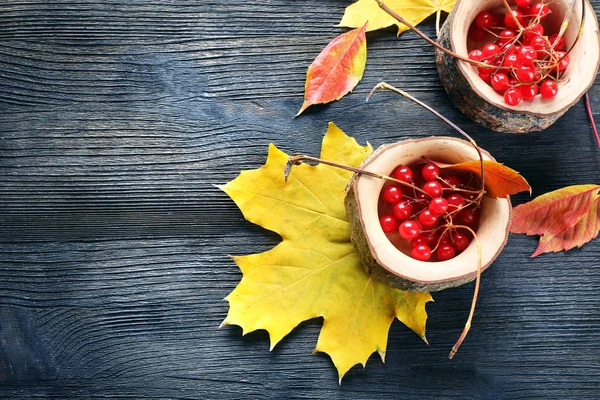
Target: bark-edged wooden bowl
[(481, 103), (386, 262)]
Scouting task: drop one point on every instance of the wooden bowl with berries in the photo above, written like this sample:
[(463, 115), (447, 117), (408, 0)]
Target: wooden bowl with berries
[(525, 71), (418, 234)]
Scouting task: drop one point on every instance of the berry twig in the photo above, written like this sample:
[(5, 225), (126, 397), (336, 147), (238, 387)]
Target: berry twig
[(465, 331), (432, 42), (591, 117), (384, 85), (297, 160)]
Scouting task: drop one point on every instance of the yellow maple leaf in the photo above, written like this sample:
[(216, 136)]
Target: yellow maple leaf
[(414, 11), (315, 270)]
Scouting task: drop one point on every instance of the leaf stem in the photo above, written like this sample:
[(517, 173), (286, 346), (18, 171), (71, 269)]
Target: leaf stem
[(296, 160), (465, 331), (591, 117)]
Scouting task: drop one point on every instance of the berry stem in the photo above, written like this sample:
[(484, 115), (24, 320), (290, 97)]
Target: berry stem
[(432, 42), (591, 117), (384, 85), (465, 331), (297, 160)]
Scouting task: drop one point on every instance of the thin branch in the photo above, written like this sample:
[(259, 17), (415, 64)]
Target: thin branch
[(438, 16), (463, 335), (591, 117), (432, 42), (384, 85)]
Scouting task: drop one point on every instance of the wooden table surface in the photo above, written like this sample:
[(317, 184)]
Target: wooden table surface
[(119, 117)]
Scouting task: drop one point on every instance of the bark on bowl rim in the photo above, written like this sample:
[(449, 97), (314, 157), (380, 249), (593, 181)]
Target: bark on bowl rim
[(382, 259)]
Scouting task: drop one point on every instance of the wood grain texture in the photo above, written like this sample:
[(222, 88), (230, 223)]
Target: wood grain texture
[(118, 118)]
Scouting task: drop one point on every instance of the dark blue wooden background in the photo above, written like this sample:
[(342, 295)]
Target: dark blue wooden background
[(117, 120)]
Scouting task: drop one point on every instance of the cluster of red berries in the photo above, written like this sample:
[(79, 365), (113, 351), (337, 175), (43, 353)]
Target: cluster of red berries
[(523, 60), (423, 216)]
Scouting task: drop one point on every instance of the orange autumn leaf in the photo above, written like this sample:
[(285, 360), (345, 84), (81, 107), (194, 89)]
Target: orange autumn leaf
[(337, 69), (586, 229), (500, 181), (554, 213)]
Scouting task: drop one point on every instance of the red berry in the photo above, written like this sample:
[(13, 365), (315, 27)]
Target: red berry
[(561, 45), (484, 20), (392, 193), (445, 252), (528, 91), (539, 9), (564, 61), (468, 216), (523, 3), (548, 89), (476, 34), (487, 78), (539, 43), (403, 173), (426, 218), (460, 241), (527, 54), (499, 82), (513, 97), (511, 60), (509, 19), (507, 34), (402, 210), (430, 172), (455, 201), (451, 180), (388, 223), (418, 241), (421, 253), (438, 206), (476, 55), (409, 229), (486, 70), (490, 50), (533, 31), (433, 188), (526, 73)]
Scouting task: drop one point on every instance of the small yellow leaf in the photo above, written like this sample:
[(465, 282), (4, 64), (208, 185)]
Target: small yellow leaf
[(414, 11), (315, 271)]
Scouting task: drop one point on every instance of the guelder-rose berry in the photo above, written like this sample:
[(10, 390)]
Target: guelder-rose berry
[(548, 89), (438, 206), (484, 20), (528, 91), (403, 173), (445, 252), (426, 218), (513, 97), (388, 223), (392, 193), (402, 210), (510, 17), (421, 252), (433, 188), (409, 229), (500, 82), (430, 172)]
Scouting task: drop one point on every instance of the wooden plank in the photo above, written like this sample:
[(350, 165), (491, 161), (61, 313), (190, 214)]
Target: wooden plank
[(118, 120)]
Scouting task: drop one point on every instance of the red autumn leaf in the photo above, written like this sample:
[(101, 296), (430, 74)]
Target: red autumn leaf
[(337, 70), (500, 181), (555, 212), (586, 229)]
